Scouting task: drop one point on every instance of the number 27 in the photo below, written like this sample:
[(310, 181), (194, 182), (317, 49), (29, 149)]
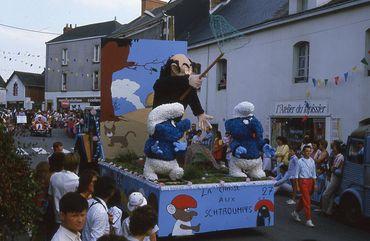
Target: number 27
[(267, 191)]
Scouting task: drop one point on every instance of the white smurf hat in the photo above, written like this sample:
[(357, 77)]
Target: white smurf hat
[(243, 109), (162, 113), (135, 200)]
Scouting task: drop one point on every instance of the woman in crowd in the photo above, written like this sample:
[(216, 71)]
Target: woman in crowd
[(282, 151), (315, 150), (87, 181), (321, 160)]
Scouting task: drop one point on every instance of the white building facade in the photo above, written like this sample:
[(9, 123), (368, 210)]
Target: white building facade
[(303, 73)]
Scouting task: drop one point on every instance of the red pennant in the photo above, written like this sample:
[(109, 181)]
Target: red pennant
[(368, 52), (336, 80)]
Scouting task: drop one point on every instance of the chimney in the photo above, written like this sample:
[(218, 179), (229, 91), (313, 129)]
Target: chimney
[(67, 28), (150, 5)]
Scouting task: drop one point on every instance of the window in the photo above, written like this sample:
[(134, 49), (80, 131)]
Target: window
[(97, 53), (15, 89), (302, 5), (64, 82), (301, 62), (197, 68), (96, 80), (222, 74), (65, 57), (356, 151), (367, 54)]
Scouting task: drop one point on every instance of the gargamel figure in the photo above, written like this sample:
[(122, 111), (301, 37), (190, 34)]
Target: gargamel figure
[(175, 79)]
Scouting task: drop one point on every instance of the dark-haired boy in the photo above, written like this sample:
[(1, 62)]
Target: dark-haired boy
[(73, 208), (142, 222), (97, 221), (56, 159), (306, 176)]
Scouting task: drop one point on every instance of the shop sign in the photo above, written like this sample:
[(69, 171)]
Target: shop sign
[(80, 99), (301, 108)]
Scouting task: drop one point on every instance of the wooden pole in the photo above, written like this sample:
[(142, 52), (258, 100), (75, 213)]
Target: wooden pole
[(202, 75)]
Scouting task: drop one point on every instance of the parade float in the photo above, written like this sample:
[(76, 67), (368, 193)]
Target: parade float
[(141, 133)]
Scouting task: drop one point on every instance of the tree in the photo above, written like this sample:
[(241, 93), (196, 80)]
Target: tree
[(18, 190)]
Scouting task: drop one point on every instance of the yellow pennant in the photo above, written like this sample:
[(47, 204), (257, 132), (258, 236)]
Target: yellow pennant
[(308, 93)]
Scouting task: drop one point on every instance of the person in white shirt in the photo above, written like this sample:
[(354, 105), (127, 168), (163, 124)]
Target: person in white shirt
[(306, 175), (136, 200), (73, 210), (196, 138), (63, 182), (98, 219), (142, 222)]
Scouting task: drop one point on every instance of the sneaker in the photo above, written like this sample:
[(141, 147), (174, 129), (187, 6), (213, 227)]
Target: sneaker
[(295, 216), (310, 224), (290, 202)]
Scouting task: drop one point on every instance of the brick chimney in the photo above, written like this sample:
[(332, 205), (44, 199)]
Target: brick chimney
[(151, 4), (67, 28)]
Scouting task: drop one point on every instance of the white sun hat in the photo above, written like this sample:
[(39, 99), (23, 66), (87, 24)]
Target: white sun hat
[(135, 200), (243, 109)]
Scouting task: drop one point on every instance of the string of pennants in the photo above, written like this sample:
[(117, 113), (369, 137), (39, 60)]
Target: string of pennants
[(20, 58), (20, 54), (337, 79), (25, 58)]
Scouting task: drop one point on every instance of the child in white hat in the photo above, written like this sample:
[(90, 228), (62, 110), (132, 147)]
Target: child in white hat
[(135, 200)]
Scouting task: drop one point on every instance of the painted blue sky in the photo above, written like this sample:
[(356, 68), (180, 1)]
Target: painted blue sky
[(141, 52), (50, 16)]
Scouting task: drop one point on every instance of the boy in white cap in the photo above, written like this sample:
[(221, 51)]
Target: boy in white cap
[(135, 200)]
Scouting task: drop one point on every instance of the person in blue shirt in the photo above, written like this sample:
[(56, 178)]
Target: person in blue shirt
[(282, 183)]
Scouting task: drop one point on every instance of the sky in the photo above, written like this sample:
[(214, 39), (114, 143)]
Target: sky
[(25, 51)]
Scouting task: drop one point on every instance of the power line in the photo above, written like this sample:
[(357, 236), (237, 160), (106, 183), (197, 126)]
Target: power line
[(29, 30)]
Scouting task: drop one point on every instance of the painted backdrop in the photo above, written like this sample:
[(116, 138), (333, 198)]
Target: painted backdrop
[(129, 69)]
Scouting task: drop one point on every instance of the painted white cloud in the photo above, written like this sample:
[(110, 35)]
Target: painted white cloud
[(125, 88)]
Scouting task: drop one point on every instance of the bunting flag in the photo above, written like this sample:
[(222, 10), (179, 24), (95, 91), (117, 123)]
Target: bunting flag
[(326, 82), (314, 82), (319, 83), (354, 69), (345, 77), (336, 80), (364, 61)]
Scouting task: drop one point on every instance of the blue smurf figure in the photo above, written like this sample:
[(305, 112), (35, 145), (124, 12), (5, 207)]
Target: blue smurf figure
[(247, 143), (165, 129)]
